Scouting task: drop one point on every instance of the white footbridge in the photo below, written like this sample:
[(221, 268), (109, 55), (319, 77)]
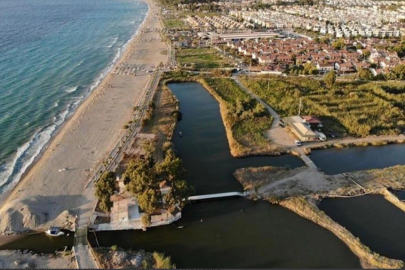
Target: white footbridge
[(217, 195)]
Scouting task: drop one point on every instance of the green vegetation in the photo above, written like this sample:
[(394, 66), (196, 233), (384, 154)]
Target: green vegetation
[(175, 23), (107, 258), (304, 69), (365, 74), (143, 176), (338, 44), (162, 261), (200, 58), (330, 79), (148, 114), (245, 117), (358, 108), (105, 187)]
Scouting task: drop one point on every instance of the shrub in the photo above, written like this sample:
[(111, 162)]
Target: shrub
[(163, 262)]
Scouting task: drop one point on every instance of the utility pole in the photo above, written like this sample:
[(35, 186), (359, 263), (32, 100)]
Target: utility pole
[(299, 108), (250, 68)]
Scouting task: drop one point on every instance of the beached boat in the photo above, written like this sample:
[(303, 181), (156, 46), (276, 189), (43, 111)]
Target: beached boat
[(54, 231)]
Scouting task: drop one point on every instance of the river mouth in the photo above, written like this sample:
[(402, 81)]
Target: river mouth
[(378, 223), (238, 233), (227, 233)]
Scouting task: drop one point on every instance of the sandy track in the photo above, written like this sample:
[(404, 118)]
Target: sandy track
[(47, 193)]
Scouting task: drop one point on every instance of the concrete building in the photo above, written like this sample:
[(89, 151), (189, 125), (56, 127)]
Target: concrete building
[(300, 129)]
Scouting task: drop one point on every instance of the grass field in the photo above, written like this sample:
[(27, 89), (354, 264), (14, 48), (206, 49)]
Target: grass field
[(175, 23), (358, 108), (201, 58), (247, 119)]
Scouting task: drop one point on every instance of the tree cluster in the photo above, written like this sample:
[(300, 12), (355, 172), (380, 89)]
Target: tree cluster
[(246, 108), (304, 69), (105, 188), (142, 178)]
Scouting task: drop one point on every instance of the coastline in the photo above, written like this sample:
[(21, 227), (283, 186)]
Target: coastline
[(98, 80), (67, 134)]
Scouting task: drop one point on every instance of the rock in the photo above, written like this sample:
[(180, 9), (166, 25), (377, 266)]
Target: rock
[(119, 257), (137, 260), (17, 262), (25, 251)]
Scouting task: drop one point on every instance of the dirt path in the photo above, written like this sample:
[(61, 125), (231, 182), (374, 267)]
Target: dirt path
[(276, 134)]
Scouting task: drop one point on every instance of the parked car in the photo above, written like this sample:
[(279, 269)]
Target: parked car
[(298, 143), (281, 124)]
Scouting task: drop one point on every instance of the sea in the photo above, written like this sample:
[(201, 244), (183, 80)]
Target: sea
[(53, 53)]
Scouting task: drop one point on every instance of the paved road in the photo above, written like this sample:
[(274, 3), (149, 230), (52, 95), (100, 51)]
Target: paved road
[(369, 139), (84, 258)]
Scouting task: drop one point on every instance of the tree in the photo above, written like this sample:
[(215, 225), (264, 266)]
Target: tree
[(365, 74), (149, 200), (366, 54), (172, 168), (338, 44), (399, 71), (146, 220), (330, 79), (105, 187), (139, 176)]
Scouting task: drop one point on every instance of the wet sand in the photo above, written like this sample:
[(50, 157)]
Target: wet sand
[(50, 195)]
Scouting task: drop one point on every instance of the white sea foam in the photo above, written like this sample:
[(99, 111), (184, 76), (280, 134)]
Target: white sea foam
[(8, 167), (113, 42), (71, 89), (59, 119), (11, 172)]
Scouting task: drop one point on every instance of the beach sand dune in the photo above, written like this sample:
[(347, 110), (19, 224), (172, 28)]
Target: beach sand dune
[(53, 191)]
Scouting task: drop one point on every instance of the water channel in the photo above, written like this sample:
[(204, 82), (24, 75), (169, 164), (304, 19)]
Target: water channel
[(334, 161), (378, 223), (239, 233), (230, 232)]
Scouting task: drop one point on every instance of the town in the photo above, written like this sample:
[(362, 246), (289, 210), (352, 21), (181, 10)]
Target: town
[(273, 126)]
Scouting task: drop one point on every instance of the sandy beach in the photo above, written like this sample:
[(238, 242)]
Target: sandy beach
[(24, 260), (53, 191)]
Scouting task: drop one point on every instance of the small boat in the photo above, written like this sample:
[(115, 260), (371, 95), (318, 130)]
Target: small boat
[(54, 231), (180, 134)]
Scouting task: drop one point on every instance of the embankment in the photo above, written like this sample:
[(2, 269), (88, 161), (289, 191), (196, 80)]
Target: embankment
[(307, 208), (237, 149)]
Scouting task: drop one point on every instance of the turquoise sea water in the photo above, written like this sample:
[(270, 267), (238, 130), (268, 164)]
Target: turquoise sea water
[(52, 55)]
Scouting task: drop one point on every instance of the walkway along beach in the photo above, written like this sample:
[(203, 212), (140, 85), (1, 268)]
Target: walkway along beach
[(53, 191)]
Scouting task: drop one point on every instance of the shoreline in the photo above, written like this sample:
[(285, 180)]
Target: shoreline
[(101, 77), (72, 124)]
